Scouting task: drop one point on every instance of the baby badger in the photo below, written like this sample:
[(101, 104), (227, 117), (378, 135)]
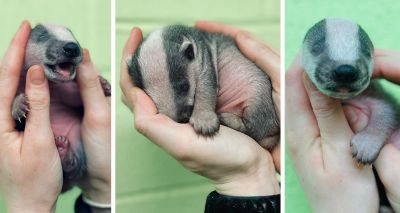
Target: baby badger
[(56, 49), (203, 78), (337, 56)]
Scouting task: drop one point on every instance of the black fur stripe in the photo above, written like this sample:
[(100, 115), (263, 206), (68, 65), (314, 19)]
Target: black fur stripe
[(135, 70)]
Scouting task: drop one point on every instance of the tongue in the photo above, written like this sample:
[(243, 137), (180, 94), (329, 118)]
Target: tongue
[(65, 69)]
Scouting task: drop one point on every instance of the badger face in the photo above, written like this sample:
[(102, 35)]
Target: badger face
[(164, 67), (56, 49), (337, 56)]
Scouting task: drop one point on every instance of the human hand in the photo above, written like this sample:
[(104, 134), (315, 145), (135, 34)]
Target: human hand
[(96, 133), (321, 155), (233, 162), (266, 58), (30, 166), (387, 66)]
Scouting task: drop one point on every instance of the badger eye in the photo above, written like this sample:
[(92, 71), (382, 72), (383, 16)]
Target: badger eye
[(183, 87), (318, 47), (43, 37), (366, 50), (189, 52)]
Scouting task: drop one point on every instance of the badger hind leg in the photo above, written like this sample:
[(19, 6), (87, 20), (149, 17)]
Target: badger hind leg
[(20, 107), (366, 144), (105, 85), (262, 124), (73, 161)]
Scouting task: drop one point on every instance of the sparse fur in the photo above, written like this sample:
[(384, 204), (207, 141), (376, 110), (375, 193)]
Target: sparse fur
[(204, 79), (334, 43), (55, 49)]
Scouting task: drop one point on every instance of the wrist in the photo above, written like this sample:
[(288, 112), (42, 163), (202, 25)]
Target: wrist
[(98, 191), (258, 181), (23, 208)]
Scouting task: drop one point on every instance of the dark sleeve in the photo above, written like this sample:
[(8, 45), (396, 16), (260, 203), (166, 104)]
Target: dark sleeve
[(217, 203), (82, 207)]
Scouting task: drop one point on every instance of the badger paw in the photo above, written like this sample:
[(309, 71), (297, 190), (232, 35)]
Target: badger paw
[(105, 85), (62, 144), (20, 107), (205, 123), (366, 147)]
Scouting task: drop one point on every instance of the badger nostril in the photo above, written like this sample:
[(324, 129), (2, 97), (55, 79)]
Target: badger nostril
[(71, 49), (345, 73)]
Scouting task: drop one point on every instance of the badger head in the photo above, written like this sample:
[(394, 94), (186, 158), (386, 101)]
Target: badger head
[(165, 67), (337, 56), (56, 49)]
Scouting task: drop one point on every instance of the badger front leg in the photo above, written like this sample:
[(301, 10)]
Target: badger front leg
[(367, 143), (204, 118), (105, 85)]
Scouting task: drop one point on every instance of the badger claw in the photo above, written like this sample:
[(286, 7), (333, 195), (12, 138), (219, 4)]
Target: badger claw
[(20, 107), (105, 85), (205, 123), (365, 147)]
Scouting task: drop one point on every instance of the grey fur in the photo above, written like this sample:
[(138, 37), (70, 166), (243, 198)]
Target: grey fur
[(191, 63), (322, 56), (45, 46)]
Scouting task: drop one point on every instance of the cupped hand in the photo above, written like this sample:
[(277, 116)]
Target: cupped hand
[(96, 133), (387, 66), (30, 166), (265, 57), (318, 137), (232, 161)]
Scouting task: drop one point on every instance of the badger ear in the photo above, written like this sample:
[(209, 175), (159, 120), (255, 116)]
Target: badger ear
[(187, 49)]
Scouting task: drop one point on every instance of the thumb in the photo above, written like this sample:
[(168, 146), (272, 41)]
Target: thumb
[(328, 113), (37, 91)]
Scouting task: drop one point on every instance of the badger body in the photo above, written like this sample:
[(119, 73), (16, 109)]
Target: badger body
[(337, 56), (202, 78), (55, 49)]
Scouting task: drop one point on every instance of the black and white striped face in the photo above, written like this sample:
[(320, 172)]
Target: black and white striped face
[(164, 67), (337, 56), (56, 49)]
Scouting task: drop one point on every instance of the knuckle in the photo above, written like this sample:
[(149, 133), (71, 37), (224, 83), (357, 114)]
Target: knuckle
[(38, 100)]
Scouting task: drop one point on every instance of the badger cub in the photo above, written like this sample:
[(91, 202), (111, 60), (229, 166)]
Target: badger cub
[(202, 78), (337, 56), (59, 53)]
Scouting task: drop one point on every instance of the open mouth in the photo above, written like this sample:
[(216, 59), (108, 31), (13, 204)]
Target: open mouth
[(341, 92), (61, 72)]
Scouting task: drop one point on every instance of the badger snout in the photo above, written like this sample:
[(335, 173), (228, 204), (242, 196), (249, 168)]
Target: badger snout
[(72, 50), (184, 114), (345, 74)]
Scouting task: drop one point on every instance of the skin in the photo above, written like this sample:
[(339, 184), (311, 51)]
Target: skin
[(23, 154), (322, 157), (216, 158)]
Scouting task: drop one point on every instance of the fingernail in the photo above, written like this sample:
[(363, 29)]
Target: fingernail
[(37, 76)]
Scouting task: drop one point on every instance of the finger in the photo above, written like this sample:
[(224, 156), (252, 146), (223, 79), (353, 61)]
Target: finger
[(387, 66), (90, 88), (160, 129), (10, 68), (335, 132), (38, 129), (130, 47), (276, 156), (388, 170), (262, 55), (214, 27), (298, 112)]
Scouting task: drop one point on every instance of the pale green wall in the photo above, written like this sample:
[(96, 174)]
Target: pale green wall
[(89, 20), (380, 19), (148, 180)]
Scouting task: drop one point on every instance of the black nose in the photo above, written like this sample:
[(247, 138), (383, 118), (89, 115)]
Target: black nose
[(345, 73), (71, 50)]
